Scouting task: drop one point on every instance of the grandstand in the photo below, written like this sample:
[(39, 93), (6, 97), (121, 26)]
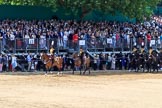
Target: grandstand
[(21, 34)]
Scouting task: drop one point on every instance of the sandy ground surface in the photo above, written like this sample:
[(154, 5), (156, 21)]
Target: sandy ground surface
[(106, 90)]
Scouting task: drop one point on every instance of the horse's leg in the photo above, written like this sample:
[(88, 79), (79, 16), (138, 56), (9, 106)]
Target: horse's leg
[(58, 71), (144, 66), (61, 72), (150, 68), (89, 70), (157, 67), (138, 67), (85, 69), (73, 70), (130, 68), (80, 68), (50, 70), (153, 67), (135, 67), (45, 71)]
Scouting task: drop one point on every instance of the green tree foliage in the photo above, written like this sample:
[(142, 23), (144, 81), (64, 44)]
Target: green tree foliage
[(29, 2), (131, 8)]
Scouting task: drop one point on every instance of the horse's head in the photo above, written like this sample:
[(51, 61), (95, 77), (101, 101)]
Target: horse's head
[(44, 57), (58, 61), (55, 59)]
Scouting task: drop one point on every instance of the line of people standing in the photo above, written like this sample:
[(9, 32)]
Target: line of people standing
[(110, 61), (12, 63), (8, 63)]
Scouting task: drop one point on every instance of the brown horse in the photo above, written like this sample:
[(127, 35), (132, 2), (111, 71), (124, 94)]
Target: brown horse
[(86, 64), (47, 60), (77, 62), (58, 62)]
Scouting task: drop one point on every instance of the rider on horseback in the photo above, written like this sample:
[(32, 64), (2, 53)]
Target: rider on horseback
[(52, 51)]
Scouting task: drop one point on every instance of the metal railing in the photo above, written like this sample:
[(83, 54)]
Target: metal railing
[(93, 45)]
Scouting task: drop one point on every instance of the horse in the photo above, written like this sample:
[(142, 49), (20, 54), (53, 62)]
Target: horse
[(58, 62), (68, 62), (130, 61), (155, 62), (136, 62), (77, 62), (143, 61), (47, 60), (149, 63), (86, 64)]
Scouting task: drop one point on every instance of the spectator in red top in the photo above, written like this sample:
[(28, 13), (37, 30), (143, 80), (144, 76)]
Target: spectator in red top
[(75, 41), (75, 38), (148, 39)]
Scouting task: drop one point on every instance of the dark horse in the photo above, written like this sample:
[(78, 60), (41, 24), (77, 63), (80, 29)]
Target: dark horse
[(143, 61), (149, 63), (153, 62), (136, 62)]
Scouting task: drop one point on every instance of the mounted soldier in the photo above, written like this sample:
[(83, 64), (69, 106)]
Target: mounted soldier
[(155, 61), (52, 51), (149, 63)]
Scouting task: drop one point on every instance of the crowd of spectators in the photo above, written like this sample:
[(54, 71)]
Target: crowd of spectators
[(66, 34)]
